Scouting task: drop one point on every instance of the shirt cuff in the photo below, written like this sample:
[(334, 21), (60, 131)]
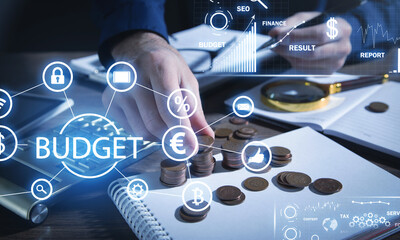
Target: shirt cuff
[(127, 19)]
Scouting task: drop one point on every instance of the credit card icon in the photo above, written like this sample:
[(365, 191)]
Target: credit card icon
[(243, 107)]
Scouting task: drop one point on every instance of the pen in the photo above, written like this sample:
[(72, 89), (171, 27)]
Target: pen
[(339, 9)]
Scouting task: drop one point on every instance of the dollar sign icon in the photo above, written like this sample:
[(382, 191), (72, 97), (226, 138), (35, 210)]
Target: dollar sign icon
[(333, 31), (198, 195), (2, 146)]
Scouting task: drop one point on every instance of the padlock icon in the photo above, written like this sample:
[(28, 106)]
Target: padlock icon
[(57, 78)]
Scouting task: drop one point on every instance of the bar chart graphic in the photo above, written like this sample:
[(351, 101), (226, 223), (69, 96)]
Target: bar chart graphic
[(241, 56), (398, 63)]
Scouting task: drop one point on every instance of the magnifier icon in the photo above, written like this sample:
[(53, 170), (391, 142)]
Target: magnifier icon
[(40, 188)]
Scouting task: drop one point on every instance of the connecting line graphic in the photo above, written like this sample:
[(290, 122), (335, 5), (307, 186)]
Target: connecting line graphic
[(108, 109), (27, 90), (69, 105), (220, 149), (377, 202), (152, 90), (209, 125), (190, 175), (57, 174), (121, 174)]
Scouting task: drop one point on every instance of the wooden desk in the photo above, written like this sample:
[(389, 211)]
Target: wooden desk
[(87, 212)]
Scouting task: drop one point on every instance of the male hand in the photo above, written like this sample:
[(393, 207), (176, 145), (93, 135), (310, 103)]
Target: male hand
[(160, 68), (329, 55)]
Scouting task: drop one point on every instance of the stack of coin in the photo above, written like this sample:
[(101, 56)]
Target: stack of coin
[(223, 133), (173, 173), (194, 216), (281, 156), (245, 133), (238, 121), (231, 151), (255, 184), (203, 162), (327, 185), (293, 179), (230, 195)]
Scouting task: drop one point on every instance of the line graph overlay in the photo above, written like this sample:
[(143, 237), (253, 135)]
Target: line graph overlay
[(371, 202), (375, 31)]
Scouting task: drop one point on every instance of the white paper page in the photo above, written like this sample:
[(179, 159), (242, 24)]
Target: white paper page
[(338, 105), (260, 216), (380, 131)]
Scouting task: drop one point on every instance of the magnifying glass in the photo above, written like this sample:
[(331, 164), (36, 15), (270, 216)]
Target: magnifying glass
[(40, 188), (302, 96)]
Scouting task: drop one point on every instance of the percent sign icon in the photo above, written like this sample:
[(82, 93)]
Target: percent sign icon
[(182, 103)]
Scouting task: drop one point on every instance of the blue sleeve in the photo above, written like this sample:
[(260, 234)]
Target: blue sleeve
[(117, 18), (374, 27)]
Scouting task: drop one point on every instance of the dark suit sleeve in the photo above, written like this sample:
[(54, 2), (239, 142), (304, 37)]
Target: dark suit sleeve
[(118, 18), (374, 26)]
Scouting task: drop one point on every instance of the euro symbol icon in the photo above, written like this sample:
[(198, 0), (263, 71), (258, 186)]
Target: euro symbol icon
[(177, 144)]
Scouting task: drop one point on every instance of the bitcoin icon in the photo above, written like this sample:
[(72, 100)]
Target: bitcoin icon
[(198, 195), (2, 146), (333, 31)]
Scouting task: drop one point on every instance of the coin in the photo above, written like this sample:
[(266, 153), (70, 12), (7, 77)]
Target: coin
[(248, 131), (223, 132), (231, 152), (205, 142), (192, 205), (237, 201), (189, 218), (282, 179), (238, 121), (171, 165), (228, 193), (241, 136), (255, 183), (299, 180), (280, 151), (327, 185), (378, 107), (173, 173)]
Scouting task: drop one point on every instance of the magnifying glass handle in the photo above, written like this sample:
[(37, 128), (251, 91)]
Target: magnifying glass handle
[(358, 83)]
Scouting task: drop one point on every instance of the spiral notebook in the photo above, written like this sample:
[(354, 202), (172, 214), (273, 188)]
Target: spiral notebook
[(367, 206)]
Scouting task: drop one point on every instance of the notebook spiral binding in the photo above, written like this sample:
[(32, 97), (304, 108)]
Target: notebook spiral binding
[(136, 214)]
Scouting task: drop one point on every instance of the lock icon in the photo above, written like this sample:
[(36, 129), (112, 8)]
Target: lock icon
[(57, 78)]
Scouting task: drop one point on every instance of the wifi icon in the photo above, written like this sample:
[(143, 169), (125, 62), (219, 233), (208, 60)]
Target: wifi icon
[(2, 102), (5, 103)]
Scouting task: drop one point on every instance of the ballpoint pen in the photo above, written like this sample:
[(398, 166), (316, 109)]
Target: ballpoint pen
[(339, 9)]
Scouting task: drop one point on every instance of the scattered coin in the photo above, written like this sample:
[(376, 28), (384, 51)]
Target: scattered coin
[(238, 201), (228, 193), (293, 179), (280, 151), (378, 107), (173, 173), (248, 131), (238, 121), (223, 132), (327, 185), (255, 184)]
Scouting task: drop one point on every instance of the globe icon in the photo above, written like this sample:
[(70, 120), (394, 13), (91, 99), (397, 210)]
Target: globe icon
[(329, 224)]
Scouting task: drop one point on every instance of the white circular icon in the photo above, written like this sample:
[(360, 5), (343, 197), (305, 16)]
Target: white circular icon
[(182, 103), (121, 76), (7, 150), (57, 76), (137, 189), (256, 156), (179, 143), (198, 195), (226, 21), (290, 233), (5, 103), (91, 117), (41, 189), (243, 106)]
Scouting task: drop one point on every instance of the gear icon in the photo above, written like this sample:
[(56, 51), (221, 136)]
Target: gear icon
[(370, 215), (356, 219), (361, 225), (382, 220), (137, 189), (352, 224), (369, 222), (387, 224)]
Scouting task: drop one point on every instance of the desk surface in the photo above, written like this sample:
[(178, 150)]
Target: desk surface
[(86, 212)]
